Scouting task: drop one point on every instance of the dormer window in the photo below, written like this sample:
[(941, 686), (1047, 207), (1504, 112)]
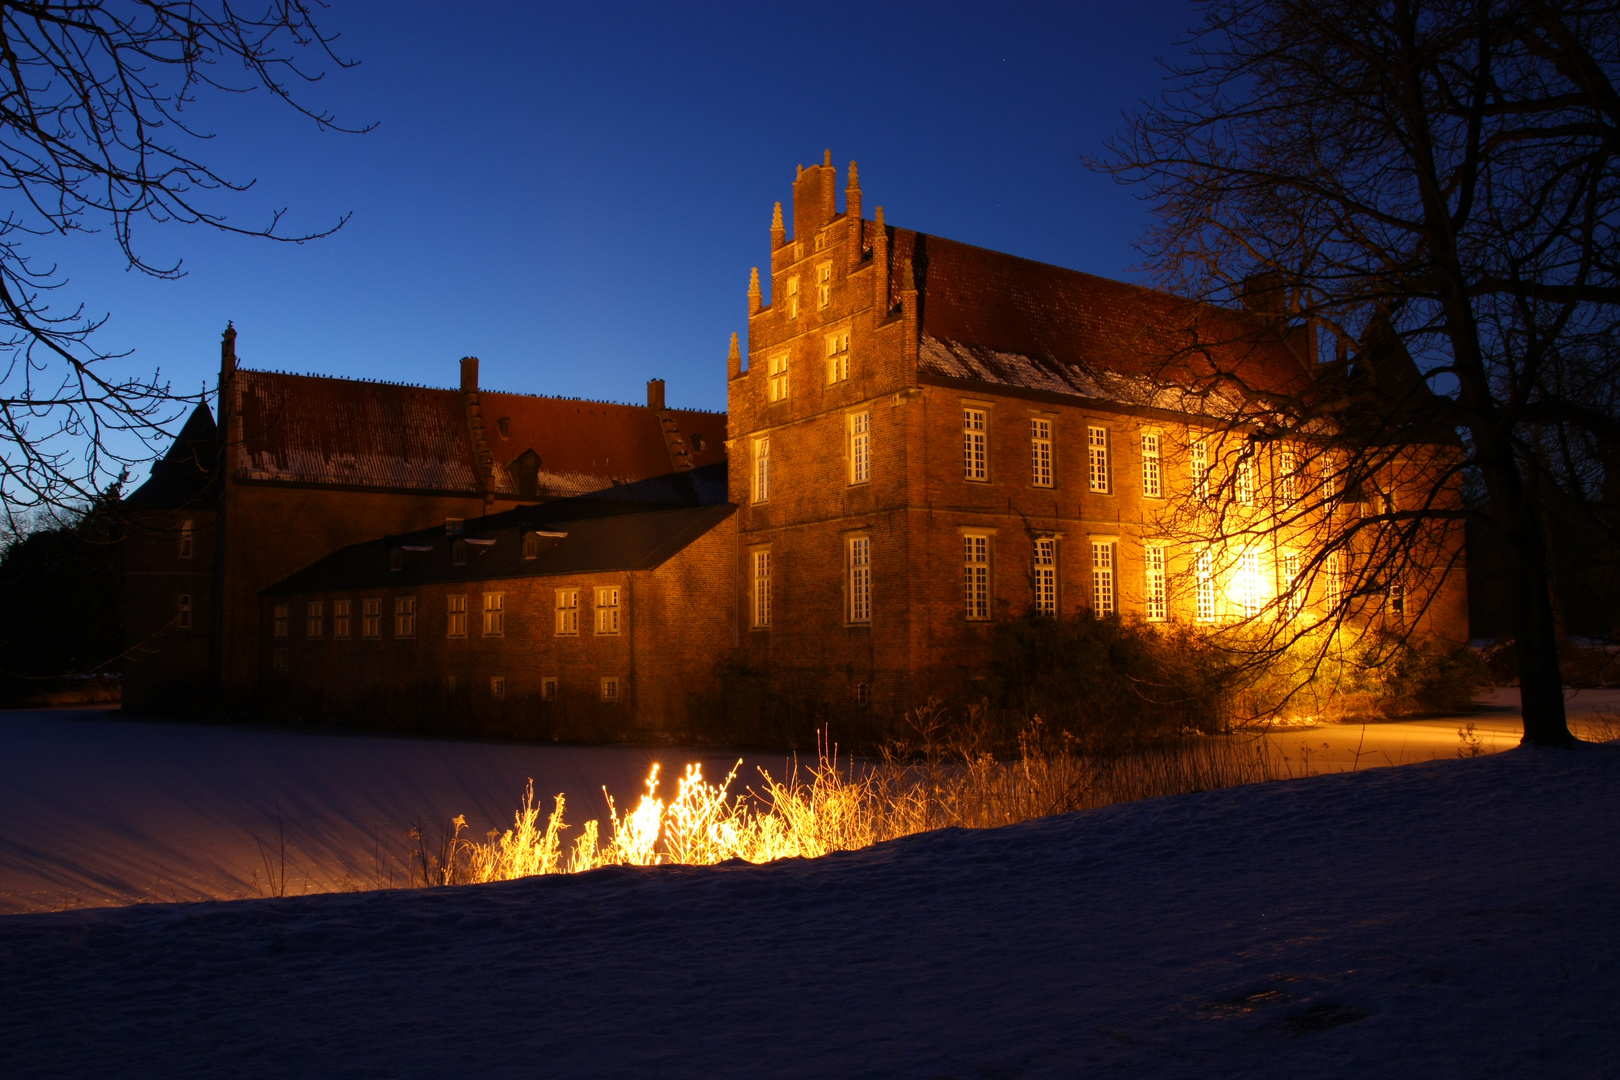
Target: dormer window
[(536, 542), (452, 526), (396, 560), (504, 424), (458, 553)]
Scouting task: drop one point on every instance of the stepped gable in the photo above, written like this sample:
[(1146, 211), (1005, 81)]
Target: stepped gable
[(999, 318), (314, 429), (187, 473), (633, 527)]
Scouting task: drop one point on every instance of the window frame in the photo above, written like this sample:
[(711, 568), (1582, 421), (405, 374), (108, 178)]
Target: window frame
[(975, 443), (1099, 469), (278, 622), (566, 621), (1044, 575), (1041, 456), (824, 276), (1104, 576), (792, 288), (183, 611), (455, 615), (761, 477), (314, 620), (978, 575), (1198, 467), (342, 620), (611, 689), (777, 375), (1155, 583), (759, 587), (858, 579), (188, 539), (608, 610), (837, 357), (371, 618), (858, 440), (494, 614), (1204, 597), (404, 616), (1152, 464)]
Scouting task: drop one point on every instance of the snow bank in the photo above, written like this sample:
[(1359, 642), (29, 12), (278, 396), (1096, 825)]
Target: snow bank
[(1459, 918)]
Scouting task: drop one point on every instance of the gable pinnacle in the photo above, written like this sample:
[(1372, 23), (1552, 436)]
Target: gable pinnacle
[(778, 231), (854, 180), (753, 291), (826, 159)]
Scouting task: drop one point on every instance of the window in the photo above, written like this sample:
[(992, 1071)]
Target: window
[(837, 357), (278, 659), (1204, 586), (1154, 593), (975, 458), (1287, 481), (497, 687), (458, 552), (762, 470), (607, 609), (186, 543), (182, 611), (494, 614), (278, 627), (779, 377), (567, 612), (860, 579), (315, 620), (824, 285), (1293, 589), (453, 526), (1046, 575), (1040, 452), (1152, 487), (371, 618), (793, 297), (340, 619), (1249, 585), (1200, 469), (1097, 454), (548, 688), (396, 559), (531, 545), (1330, 484), (863, 694), (1102, 577), (1245, 480), (610, 688), (976, 576), (456, 622), (762, 587), (860, 448), (1397, 599), (405, 616)]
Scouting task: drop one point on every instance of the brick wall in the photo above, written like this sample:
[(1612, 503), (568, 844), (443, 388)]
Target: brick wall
[(168, 663)]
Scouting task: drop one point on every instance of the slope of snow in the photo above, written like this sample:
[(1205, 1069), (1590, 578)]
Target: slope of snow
[(1453, 919)]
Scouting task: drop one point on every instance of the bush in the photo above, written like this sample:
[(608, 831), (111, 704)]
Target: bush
[(1389, 676)]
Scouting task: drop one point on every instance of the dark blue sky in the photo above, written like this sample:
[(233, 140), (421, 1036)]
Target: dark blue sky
[(576, 193)]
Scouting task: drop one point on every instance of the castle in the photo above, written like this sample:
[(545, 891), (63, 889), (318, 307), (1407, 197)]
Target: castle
[(925, 438)]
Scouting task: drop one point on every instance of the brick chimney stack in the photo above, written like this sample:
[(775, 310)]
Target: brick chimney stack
[(227, 352), (829, 188), (469, 374), (852, 212), (880, 260), (655, 394)]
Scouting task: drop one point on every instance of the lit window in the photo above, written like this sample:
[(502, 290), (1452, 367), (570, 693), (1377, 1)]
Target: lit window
[(824, 285), (607, 609), (1097, 455), (405, 616), (371, 615), (779, 377), (1330, 484), (186, 542), (1102, 577), (278, 628), (838, 357), (976, 576), (1397, 599), (1245, 481), (793, 297), (182, 611), (1046, 575), (860, 448), (1287, 483), (340, 619), (497, 687), (1335, 579), (762, 470), (610, 688), (762, 587), (1152, 486), (1158, 604), (494, 614), (860, 579), (1204, 586), (456, 621), (548, 688), (567, 612), (1200, 469), (1249, 585), (975, 458), (315, 620), (1040, 452)]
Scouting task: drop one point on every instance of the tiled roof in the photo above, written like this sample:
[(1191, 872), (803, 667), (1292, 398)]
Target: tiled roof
[(186, 474), (1056, 328), (634, 527), (316, 429)]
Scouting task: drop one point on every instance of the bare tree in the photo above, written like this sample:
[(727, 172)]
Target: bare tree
[(1432, 188), (93, 137)]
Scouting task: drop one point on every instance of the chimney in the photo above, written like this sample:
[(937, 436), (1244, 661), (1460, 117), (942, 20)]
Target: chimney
[(908, 310), (829, 189), (880, 259), (852, 211), (469, 374), (227, 352), (655, 394)]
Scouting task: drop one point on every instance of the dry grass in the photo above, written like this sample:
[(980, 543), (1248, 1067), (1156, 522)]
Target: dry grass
[(837, 806)]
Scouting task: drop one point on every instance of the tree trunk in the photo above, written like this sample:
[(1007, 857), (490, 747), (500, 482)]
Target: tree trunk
[(1541, 684)]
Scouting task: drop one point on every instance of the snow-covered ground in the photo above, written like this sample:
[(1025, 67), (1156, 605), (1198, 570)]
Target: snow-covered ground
[(1459, 918), (97, 810)]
